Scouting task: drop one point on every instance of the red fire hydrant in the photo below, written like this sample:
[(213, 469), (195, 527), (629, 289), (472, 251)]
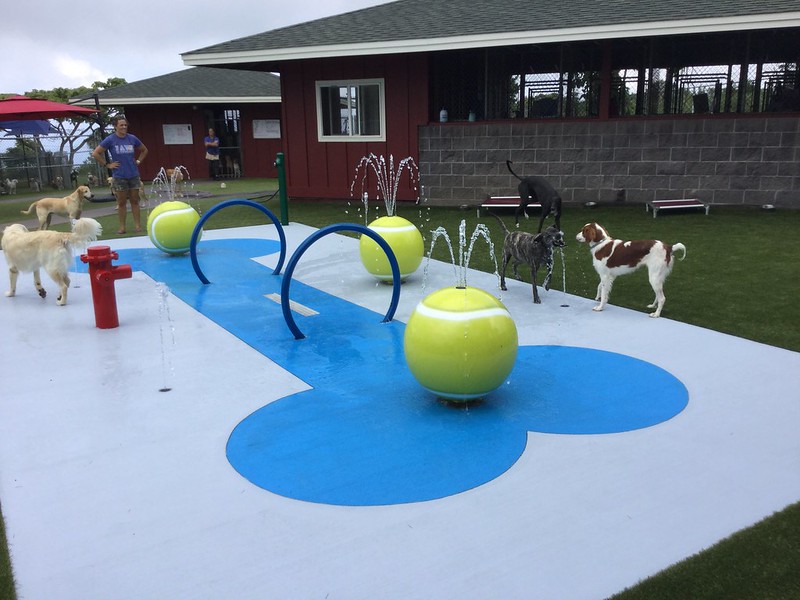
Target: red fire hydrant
[(103, 275)]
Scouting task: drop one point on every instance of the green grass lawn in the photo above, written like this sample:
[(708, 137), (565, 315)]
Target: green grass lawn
[(740, 277)]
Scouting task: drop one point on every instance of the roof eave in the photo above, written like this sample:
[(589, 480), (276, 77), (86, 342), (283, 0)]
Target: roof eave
[(182, 100), (656, 28)]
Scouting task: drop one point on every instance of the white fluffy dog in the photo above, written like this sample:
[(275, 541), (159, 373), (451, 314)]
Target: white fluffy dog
[(70, 206), (29, 251)]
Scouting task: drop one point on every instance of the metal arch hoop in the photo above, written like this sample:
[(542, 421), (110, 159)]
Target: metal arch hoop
[(237, 201), (287, 278)]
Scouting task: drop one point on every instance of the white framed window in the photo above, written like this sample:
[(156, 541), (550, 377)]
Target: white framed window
[(351, 111)]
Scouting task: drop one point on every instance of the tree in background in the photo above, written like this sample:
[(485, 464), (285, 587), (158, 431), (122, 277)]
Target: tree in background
[(74, 134)]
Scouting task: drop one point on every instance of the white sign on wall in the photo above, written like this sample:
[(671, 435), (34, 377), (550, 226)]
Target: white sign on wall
[(177, 134), (266, 129)]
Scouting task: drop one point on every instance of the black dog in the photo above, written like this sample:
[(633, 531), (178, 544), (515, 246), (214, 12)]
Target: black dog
[(537, 189), (533, 250)]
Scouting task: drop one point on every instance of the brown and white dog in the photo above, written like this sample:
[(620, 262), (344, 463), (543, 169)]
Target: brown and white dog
[(30, 251), (70, 206), (612, 257)]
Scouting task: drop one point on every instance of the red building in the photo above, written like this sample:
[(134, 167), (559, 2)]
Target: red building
[(171, 114), (627, 100)]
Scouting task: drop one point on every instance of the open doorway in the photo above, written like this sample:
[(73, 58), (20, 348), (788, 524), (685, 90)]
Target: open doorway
[(226, 124)]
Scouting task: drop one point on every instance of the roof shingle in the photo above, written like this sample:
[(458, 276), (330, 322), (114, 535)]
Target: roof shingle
[(197, 84), (406, 20)]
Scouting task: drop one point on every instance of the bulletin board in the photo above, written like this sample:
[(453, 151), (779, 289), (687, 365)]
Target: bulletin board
[(177, 134), (266, 129)]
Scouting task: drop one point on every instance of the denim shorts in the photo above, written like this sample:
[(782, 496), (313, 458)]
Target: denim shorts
[(119, 184)]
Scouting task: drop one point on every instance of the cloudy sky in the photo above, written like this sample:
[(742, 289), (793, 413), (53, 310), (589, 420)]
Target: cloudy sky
[(52, 43)]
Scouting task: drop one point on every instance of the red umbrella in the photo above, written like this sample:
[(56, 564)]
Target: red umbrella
[(22, 108)]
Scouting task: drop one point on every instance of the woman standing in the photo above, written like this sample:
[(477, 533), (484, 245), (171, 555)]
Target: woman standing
[(124, 165), (211, 142)]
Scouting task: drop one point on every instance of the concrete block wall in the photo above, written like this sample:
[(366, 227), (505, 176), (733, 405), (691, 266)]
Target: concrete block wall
[(720, 160)]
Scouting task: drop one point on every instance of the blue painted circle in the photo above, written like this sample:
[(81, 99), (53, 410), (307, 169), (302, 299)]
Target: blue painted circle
[(367, 433), (383, 440)]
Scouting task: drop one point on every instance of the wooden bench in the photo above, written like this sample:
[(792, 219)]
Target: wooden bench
[(657, 205), (505, 202)]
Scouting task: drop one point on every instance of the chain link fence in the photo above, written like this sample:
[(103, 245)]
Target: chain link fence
[(769, 87), (737, 73), (44, 162)]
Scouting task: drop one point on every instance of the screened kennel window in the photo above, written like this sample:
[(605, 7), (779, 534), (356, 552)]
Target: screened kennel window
[(710, 73), (351, 110)]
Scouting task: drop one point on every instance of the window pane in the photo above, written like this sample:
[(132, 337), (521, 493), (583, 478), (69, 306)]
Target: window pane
[(370, 104), (329, 101), (350, 109), (350, 114)]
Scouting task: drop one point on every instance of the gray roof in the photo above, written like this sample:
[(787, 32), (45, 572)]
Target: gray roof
[(425, 25), (199, 84)]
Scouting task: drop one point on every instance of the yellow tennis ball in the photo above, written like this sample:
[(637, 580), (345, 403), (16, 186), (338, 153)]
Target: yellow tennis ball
[(170, 226), (460, 343), (403, 238)]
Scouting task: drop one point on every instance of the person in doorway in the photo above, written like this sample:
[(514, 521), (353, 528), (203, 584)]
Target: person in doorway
[(124, 163), (211, 142)]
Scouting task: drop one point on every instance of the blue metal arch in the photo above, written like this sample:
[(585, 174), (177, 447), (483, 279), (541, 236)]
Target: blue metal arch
[(287, 278), (237, 201)]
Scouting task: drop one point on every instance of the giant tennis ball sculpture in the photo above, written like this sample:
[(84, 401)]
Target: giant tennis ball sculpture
[(460, 343), (403, 238), (170, 226)]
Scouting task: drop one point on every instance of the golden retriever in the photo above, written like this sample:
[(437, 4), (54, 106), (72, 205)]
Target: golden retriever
[(70, 206), (174, 175), (49, 250), (175, 178)]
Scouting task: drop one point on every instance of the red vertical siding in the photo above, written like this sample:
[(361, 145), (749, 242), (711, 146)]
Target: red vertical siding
[(294, 119), (146, 123), (326, 169), (258, 155)]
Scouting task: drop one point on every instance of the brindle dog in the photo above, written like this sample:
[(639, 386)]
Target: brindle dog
[(533, 250)]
